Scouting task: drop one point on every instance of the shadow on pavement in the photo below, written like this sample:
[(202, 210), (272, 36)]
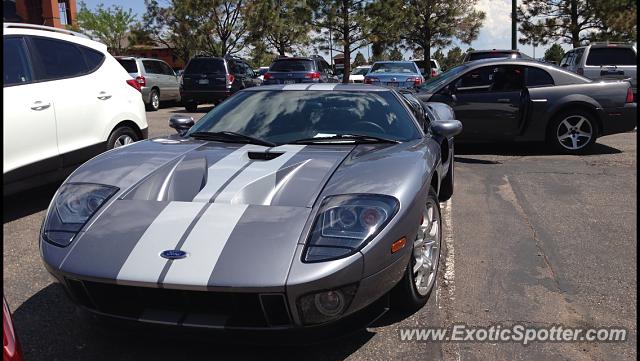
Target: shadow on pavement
[(27, 202), (201, 109), (50, 327), (523, 149)]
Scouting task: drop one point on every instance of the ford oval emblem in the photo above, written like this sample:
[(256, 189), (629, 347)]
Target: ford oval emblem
[(173, 254)]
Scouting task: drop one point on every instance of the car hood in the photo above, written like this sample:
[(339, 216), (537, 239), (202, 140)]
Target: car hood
[(227, 206)]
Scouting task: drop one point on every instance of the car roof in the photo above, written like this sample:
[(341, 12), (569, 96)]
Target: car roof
[(54, 33), (321, 87), (394, 61), (493, 50)]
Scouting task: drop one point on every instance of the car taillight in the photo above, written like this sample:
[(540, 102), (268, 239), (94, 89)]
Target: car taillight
[(416, 81), (580, 71), (368, 80), (11, 350), (629, 96), (312, 75), (230, 79), (267, 76), (434, 73), (141, 80), (134, 83)]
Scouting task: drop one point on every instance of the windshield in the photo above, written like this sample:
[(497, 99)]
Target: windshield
[(393, 68), (492, 54), (292, 65), (443, 78), (360, 71), (285, 116)]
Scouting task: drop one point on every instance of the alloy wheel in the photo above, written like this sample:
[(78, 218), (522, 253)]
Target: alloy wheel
[(574, 132), (122, 140), (426, 250)]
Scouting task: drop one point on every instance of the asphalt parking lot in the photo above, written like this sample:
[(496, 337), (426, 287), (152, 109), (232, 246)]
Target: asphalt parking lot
[(531, 238)]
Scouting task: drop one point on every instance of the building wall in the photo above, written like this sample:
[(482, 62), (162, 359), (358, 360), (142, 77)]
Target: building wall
[(47, 12)]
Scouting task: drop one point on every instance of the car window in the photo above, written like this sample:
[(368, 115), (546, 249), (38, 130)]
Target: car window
[(416, 107), (538, 77), (166, 69), (360, 71), (292, 65), (381, 68), (491, 54), (611, 56), (93, 58), (205, 66), (507, 78), (476, 80), (284, 116), (16, 67), (578, 56), (129, 65), (152, 67), (433, 64), (58, 59)]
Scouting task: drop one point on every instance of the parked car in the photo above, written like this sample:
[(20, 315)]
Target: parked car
[(65, 100), (435, 68), (11, 350), (604, 61), (327, 205), (213, 79), (158, 82), (357, 74), (400, 74), (493, 53), (525, 100), (261, 71), (299, 70)]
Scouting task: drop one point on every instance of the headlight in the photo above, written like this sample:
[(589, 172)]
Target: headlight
[(346, 223), (326, 305), (72, 207)]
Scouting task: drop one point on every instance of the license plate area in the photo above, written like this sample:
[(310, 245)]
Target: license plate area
[(203, 81), (393, 84), (289, 82)]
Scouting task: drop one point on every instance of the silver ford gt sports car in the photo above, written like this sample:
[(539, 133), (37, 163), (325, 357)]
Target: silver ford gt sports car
[(283, 207)]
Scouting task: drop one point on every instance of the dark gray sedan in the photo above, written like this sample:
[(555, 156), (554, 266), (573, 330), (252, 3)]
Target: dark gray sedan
[(284, 207), (525, 100)]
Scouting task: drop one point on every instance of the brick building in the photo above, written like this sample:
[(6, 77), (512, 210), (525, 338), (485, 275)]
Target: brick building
[(57, 13)]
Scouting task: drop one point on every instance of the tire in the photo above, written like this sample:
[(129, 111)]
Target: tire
[(406, 294), (191, 106), (154, 101), (578, 128), (446, 187), (122, 135)]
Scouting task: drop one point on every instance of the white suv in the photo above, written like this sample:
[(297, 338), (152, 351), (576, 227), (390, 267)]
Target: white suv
[(65, 100)]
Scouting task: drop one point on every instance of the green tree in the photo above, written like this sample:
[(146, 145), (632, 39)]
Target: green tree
[(359, 60), (395, 54), (110, 25), (423, 24), (343, 24), (576, 22), (138, 35), (282, 24), (454, 58), (173, 26), (260, 55), (554, 53), (222, 26)]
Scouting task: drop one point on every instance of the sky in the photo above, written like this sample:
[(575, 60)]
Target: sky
[(494, 34)]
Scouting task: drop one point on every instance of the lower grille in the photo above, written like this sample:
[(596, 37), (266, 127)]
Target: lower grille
[(195, 308)]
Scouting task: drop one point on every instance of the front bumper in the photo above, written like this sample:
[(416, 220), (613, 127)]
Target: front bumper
[(619, 120)]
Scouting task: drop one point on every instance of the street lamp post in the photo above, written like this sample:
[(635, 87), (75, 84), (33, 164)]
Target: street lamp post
[(514, 30)]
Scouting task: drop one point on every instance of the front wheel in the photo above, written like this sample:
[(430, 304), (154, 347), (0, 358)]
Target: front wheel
[(154, 101), (121, 136), (413, 291), (573, 132)]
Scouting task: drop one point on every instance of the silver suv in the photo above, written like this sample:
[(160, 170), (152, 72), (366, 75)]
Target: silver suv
[(604, 61), (158, 82)]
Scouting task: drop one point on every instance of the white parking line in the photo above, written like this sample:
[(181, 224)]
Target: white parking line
[(449, 264)]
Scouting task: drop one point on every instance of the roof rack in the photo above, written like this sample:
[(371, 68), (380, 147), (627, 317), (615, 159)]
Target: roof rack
[(609, 43), (43, 27)]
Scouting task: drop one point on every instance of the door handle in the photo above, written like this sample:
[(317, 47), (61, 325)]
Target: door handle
[(38, 105), (504, 100), (103, 96)]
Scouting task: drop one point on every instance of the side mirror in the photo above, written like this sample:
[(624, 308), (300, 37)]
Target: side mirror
[(446, 128), (181, 123)]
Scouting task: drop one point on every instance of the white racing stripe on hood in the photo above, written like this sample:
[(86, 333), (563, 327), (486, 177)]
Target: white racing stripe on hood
[(261, 175), (204, 245), (323, 86), (221, 171), (144, 263)]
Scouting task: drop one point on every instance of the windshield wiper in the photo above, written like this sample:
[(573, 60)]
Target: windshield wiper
[(358, 138), (233, 137)]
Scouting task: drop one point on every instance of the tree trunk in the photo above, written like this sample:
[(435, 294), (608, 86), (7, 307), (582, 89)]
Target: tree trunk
[(575, 30), (426, 50)]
